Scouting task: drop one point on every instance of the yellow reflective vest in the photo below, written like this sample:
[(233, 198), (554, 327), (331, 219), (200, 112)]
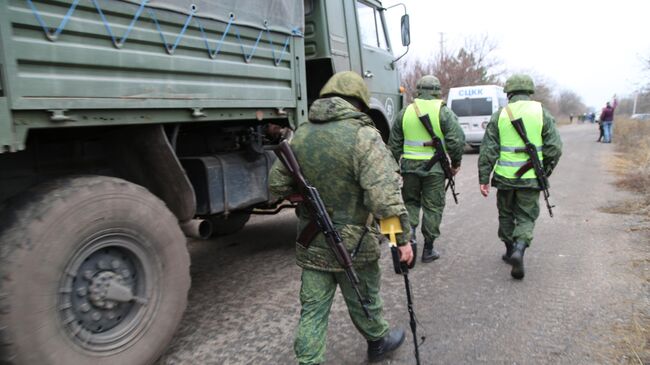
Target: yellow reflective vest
[(415, 135), (513, 154)]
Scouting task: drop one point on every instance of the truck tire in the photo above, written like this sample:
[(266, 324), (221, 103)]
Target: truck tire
[(234, 222), (93, 270)]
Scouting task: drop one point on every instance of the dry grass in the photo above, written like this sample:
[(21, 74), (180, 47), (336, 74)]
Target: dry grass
[(632, 164), (633, 334)]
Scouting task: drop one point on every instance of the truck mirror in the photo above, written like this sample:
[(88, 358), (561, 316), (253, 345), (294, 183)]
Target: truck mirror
[(406, 30)]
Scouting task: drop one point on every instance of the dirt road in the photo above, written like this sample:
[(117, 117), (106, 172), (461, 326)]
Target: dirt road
[(580, 286)]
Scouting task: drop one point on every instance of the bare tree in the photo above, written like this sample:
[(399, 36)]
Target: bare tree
[(412, 71), (544, 92), (646, 62), (625, 106), (642, 95), (472, 64), (568, 102)]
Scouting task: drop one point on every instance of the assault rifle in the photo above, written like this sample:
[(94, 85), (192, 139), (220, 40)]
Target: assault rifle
[(317, 208), (533, 163), (439, 156)]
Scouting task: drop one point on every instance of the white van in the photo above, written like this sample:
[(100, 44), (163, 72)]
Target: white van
[(474, 105)]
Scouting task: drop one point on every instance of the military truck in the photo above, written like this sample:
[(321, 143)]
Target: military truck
[(127, 125)]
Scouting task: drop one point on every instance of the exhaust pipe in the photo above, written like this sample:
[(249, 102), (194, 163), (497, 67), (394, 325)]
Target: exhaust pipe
[(197, 228)]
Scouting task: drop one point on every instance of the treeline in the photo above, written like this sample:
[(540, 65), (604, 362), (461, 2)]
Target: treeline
[(626, 105), (474, 64), (642, 98)]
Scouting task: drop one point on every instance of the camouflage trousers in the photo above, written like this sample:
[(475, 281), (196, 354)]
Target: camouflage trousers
[(316, 295), (426, 193), (518, 210)]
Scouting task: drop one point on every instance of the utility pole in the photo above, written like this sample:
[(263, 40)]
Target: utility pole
[(636, 97), (442, 46)]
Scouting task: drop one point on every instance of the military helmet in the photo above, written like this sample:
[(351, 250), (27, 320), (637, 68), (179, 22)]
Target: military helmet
[(428, 84), (347, 83), (519, 82)]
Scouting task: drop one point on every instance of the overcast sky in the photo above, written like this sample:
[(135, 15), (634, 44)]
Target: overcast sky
[(592, 48)]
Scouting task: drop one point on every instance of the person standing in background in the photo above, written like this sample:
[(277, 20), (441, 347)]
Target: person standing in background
[(600, 129), (607, 120)]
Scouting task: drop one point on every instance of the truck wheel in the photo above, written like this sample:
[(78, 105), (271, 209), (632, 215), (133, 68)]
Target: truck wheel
[(234, 222), (93, 270)]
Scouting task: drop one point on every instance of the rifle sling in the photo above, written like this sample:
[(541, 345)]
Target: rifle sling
[(427, 122), (434, 160), (529, 164), (308, 234), (524, 169), (312, 229), (366, 229)]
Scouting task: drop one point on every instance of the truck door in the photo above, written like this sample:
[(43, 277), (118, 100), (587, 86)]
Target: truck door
[(377, 57)]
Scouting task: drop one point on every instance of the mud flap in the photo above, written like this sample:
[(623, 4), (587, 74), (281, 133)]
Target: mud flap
[(143, 155)]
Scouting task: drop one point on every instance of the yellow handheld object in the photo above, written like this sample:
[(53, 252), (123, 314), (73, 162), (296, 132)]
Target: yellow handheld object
[(391, 226)]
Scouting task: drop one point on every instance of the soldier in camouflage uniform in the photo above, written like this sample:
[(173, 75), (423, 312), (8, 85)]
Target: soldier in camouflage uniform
[(426, 189), (517, 197), (342, 154)]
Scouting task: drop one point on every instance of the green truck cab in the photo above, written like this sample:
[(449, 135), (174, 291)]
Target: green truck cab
[(127, 125)]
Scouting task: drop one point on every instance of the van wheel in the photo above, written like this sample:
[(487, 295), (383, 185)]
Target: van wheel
[(224, 225), (93, 270)]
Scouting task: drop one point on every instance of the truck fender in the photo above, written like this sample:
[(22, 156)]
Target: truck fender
[(380, 117), (143, 155)]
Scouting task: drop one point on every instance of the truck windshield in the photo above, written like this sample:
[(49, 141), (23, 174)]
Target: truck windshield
[(472, 107)]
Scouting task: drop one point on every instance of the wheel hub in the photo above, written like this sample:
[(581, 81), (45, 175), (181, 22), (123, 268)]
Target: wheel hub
[(102, 297), (99, 287)]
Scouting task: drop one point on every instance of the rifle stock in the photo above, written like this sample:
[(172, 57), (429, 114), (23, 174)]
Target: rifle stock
[(317, 207)]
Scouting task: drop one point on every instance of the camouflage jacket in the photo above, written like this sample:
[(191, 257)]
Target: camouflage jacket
[(454, 142), (490, 150), (343, 156)]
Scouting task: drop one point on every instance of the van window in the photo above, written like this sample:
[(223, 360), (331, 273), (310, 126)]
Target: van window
[(472, 107)]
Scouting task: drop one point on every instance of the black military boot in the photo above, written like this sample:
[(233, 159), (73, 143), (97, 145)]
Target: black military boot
[(506, 256), (378, 350), (517, 260), (429, 254)]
